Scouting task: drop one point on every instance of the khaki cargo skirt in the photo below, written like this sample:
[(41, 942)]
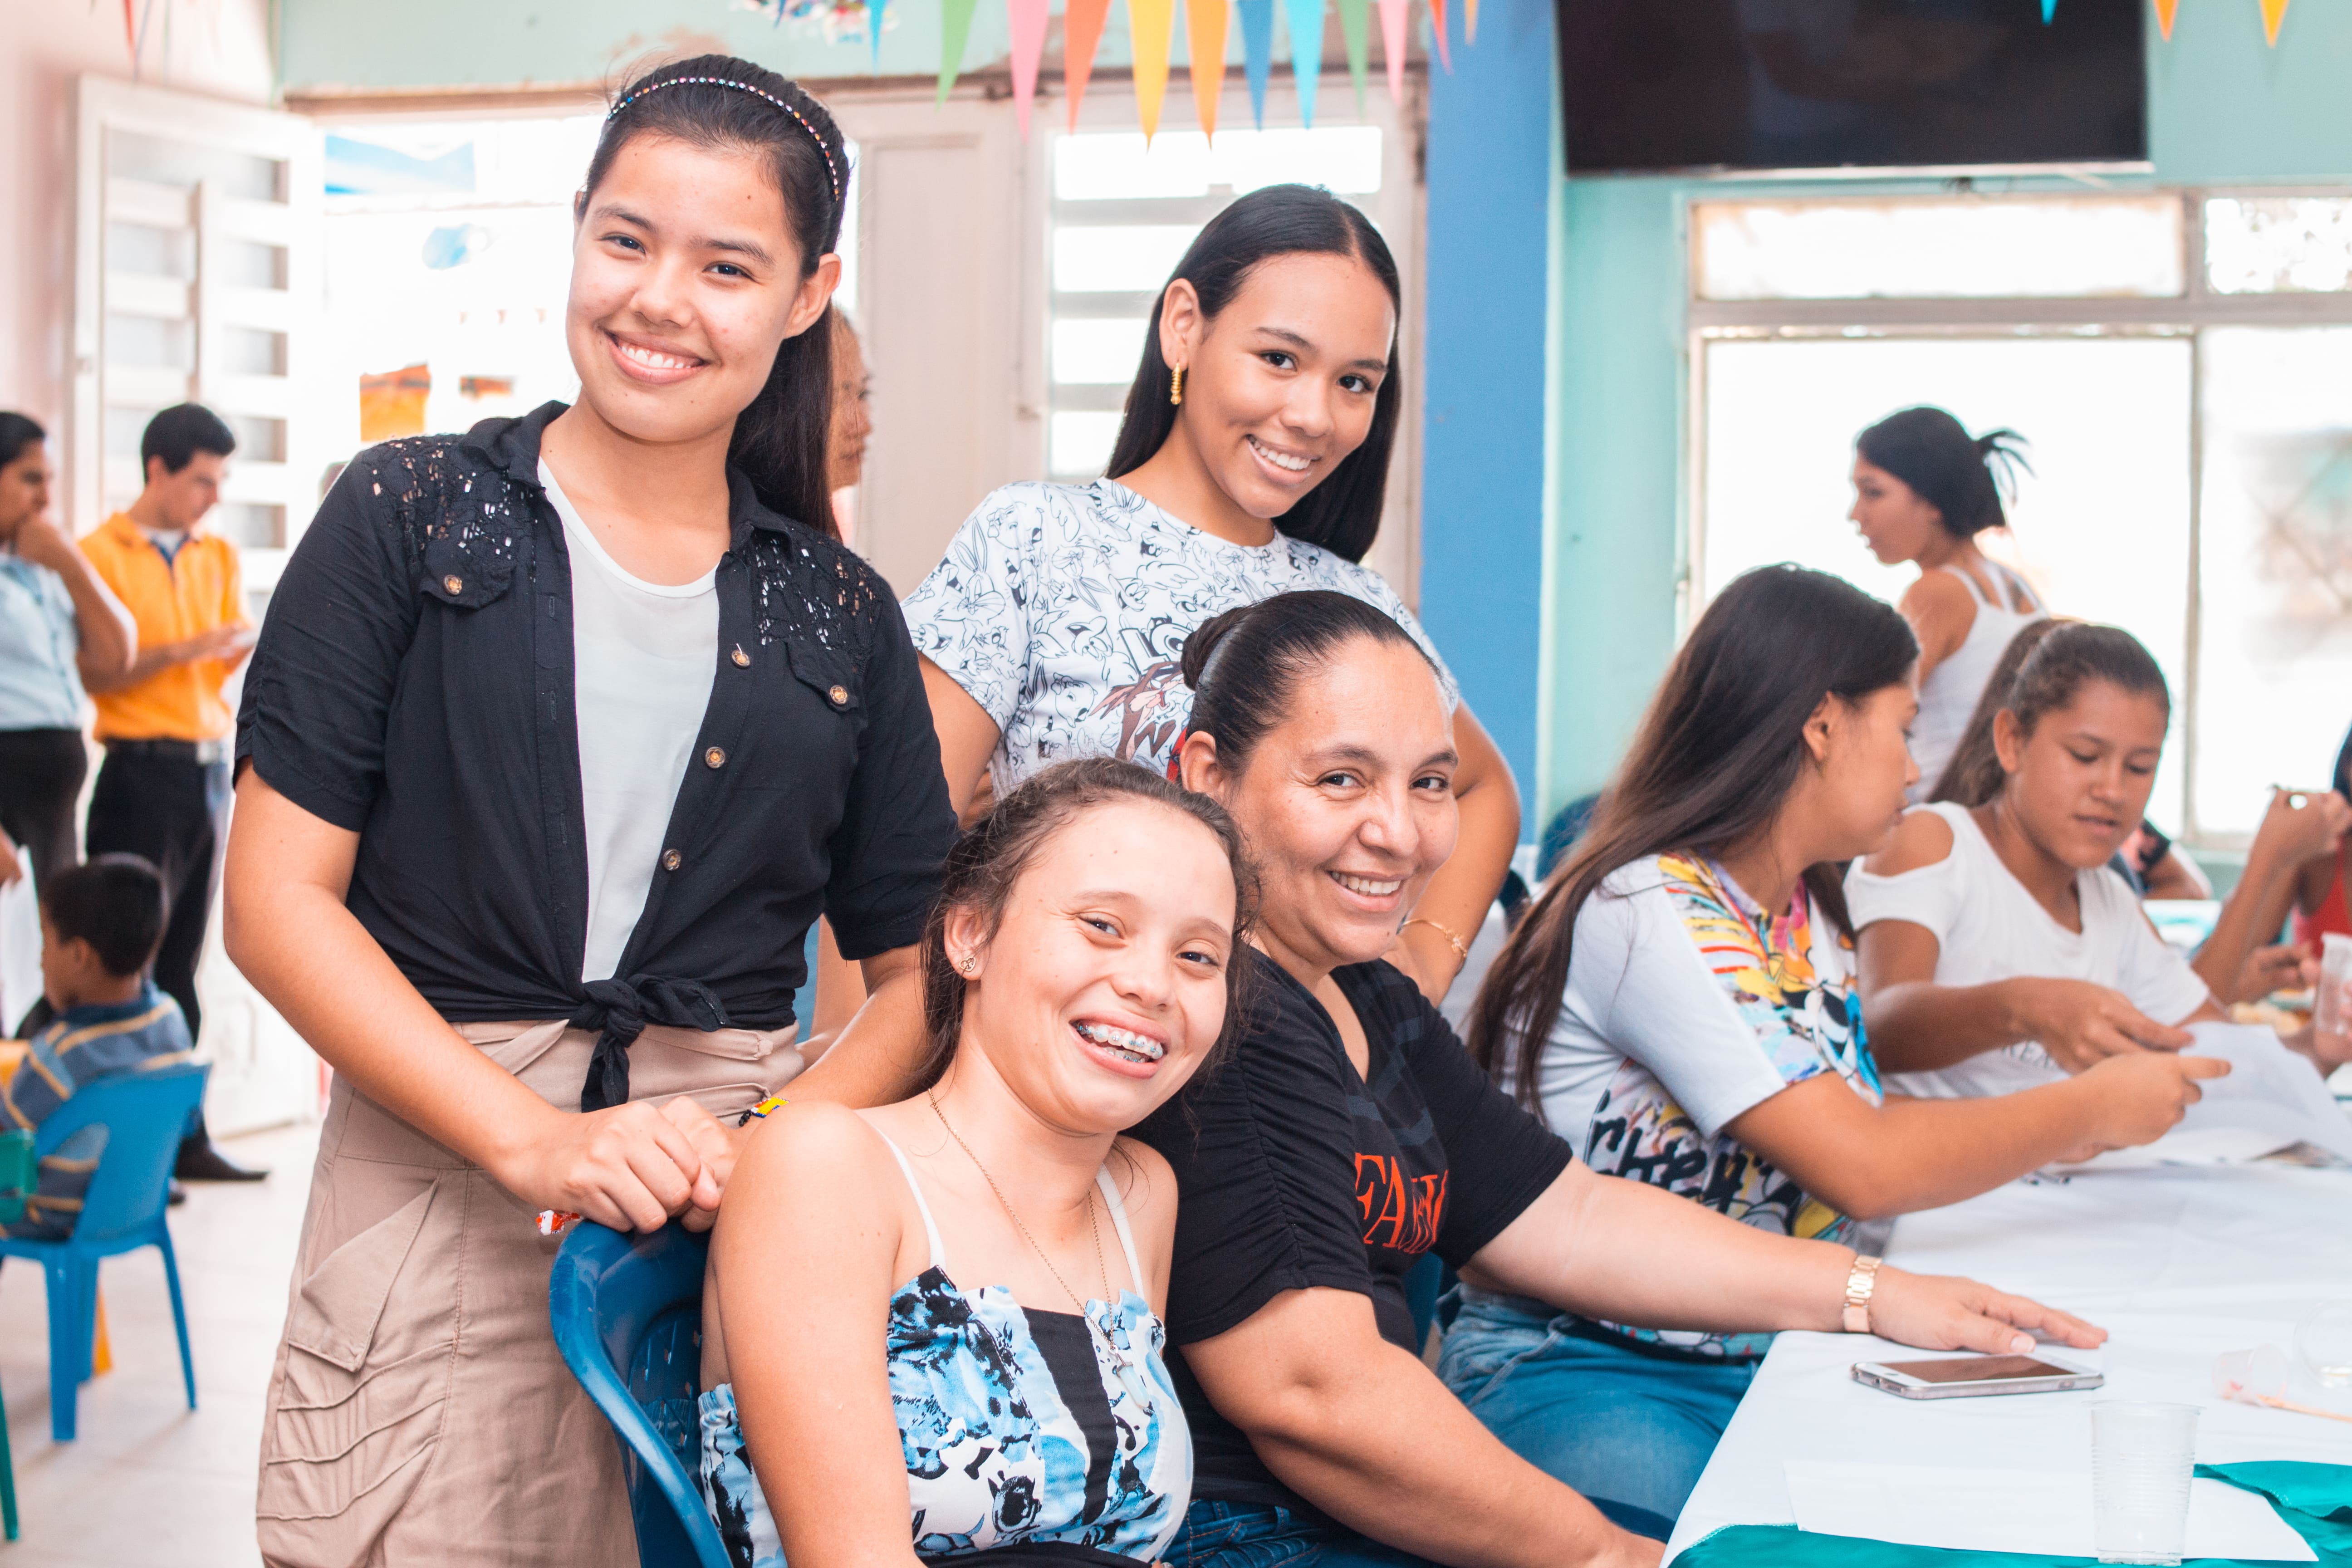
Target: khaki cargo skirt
[(419, 1412)]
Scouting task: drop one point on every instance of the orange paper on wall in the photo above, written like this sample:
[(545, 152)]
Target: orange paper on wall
[(1082, 25), (1153, 24), (1204, 37), (2273, 13), (2165, 10), (1393, 45), (1027, 18)]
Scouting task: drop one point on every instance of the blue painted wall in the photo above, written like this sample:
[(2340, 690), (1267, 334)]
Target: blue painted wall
[(1491, 183)]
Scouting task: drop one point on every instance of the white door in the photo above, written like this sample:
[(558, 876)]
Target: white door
[(196, 277)]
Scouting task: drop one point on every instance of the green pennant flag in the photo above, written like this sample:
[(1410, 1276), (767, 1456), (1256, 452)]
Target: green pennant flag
[(1356, 22), (955, 29)]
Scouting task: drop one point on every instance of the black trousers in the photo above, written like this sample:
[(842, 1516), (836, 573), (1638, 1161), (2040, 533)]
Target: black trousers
[(40, 784), (170, 809)]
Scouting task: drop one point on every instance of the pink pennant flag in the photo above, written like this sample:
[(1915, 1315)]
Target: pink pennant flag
[(2273, 13), (1028, 20), (1081, 28), (1437, 26), (1151, 25), (1205, 34), (1393, 45), (2165, 12)]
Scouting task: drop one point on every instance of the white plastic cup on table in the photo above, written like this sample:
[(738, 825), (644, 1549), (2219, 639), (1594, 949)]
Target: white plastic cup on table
[(2330, 1012), (2142, 1455)]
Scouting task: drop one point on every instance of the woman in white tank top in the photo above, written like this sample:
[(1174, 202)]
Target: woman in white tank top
[(1924, 489)]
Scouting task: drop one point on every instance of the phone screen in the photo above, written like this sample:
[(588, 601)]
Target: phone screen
[(1983, 1369)]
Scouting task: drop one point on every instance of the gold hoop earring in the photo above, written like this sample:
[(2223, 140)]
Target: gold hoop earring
[(1176, 387)]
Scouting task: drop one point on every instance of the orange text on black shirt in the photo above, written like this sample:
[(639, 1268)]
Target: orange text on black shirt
[(1400, 1212)]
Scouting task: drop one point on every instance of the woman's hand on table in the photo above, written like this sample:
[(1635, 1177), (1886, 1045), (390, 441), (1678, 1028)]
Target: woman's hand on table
[(1939, 1312), (630, 1167), (2080, 1023)]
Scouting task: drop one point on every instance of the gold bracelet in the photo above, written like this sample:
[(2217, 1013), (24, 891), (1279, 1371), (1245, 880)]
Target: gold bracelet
[(1860, 1282), (1461, 949)]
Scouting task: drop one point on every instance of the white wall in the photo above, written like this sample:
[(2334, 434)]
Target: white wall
[(221, 48)]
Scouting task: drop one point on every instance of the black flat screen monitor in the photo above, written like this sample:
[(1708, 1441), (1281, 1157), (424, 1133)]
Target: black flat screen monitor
[(1653, 86)]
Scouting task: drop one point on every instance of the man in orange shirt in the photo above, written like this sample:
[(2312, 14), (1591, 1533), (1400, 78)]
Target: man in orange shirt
[(163, 792)]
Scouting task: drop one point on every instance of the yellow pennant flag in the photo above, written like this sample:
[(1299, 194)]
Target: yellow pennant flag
[(1470, 20), (1204, 32), (1152, 25), (2273, 13), (2165, 11)]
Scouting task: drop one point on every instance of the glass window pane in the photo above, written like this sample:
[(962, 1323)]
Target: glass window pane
[(2278, 244), (2035, 246), (1079, 443), (2100, 527), (1119, 165), (1097, 353), (2275, 641), (1130, 259)]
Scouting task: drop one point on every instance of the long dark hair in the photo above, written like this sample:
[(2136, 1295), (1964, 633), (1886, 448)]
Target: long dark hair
[(1244, 664), (17, 432), (986, 862), (1960, 475), (780, 441), (1342, 514), (2048, 663), (1717, 753)]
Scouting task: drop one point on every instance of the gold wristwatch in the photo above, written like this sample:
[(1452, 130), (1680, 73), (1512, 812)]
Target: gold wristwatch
[(1859, 1283)]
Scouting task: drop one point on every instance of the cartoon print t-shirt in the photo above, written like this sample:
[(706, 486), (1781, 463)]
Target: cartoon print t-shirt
[(1686, 1005), (1063, 611)]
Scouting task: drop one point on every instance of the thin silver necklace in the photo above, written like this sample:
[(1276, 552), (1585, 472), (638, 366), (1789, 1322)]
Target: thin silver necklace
[(1010, 1213)]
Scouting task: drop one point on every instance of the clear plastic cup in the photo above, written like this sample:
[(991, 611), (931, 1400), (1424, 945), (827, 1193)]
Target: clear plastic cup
[(2324, 1340), (2251, 1376), (2141, 1458), (2330, 1011)]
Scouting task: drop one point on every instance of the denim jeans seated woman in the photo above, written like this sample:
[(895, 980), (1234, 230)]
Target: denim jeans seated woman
[(1253, 1535), (1612, 1421)]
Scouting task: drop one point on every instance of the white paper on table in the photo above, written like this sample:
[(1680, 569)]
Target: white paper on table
[(2269, 1089), (2016, 1510), (2186, 1146)]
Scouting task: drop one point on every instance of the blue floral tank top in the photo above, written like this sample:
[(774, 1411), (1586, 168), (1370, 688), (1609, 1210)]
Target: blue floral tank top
[(1019, 1425)]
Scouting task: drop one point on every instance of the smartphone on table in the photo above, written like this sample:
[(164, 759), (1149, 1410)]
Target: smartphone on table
[(1969, 1377)]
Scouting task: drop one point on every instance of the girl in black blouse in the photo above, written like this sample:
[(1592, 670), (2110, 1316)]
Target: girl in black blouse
[(545, 924)]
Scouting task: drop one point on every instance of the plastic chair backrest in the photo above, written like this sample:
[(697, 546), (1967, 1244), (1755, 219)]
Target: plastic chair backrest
[(19, 1171), (628, 1315), (145, 1115)]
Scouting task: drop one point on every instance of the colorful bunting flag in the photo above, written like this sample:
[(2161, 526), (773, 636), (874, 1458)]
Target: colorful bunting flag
[(1437, 26), (2273, 13), (1258, 52), (1305, 20), (2165, 10), (1393, 45), (1355, 22), (874, 10), (1028, 23), (955, 31), (1152, 26), (1469, 21), (1082, 27), (2049, 9), (1204, 37)]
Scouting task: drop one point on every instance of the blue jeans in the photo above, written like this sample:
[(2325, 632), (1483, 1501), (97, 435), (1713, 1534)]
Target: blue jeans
[(1605, 1418), (1253, 1535)]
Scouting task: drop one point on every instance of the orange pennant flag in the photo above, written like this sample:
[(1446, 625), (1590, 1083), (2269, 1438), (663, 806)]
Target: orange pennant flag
[(1470, 20), (1082, 27), (1437, 26), (1151, 25), (2165, 11), (1204, 33), (2273, 13)]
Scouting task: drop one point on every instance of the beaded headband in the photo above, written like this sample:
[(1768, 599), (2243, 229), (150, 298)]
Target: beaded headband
[(832, 174)]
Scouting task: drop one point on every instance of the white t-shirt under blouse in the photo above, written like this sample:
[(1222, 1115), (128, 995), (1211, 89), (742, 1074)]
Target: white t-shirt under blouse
[(643, 656), (1988, 928), (1062, 610)]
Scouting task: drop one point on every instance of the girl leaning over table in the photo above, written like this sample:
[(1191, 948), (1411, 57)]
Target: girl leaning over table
[(1252, 460), (1680, 1007), (558, 735)]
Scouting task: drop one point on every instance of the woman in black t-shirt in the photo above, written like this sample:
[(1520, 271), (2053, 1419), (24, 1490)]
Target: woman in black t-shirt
[(1350, 1133)]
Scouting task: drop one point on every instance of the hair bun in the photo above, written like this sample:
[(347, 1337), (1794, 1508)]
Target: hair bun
[(1203, 642)]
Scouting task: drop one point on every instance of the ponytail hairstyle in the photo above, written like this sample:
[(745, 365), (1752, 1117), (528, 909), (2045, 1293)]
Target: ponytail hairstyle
[(720, 101), (17, 432), (1342, 513), (987, 862), (1244, 666), (1718, 752), (2056, 664), (1973, 776), (1961, 476)]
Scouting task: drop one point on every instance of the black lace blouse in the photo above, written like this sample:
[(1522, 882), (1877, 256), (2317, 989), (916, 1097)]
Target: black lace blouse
[(414, 683)]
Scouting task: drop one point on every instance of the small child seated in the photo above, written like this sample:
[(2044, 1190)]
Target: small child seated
[(100, 1016)]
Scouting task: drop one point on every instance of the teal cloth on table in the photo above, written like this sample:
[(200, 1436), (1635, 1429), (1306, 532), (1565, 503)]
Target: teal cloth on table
[(2316, 1500)]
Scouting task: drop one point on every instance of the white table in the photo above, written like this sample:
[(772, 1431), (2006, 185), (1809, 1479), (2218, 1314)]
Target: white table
[(2177, 1265)]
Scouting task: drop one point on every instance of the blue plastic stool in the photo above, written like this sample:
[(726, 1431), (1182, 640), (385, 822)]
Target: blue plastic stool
[(144, 1114), (627, 1315)]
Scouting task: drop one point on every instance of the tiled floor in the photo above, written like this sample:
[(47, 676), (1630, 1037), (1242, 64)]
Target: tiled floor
[(149, 1481)]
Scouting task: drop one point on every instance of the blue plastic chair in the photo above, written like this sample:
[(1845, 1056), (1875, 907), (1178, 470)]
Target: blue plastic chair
[(627, 1315), (144, 1113)]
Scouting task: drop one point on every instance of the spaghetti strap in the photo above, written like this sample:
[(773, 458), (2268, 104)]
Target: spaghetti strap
[(930, 1229), (1118, 1223), (1970, 583)]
